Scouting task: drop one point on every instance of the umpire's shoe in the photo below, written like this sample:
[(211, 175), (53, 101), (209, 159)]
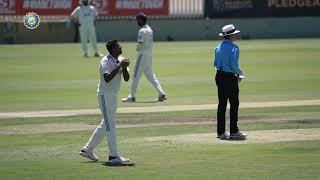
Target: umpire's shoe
[(223, 136), (238, 136)]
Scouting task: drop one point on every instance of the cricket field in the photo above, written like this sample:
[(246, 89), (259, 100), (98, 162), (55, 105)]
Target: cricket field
[(283, 79)]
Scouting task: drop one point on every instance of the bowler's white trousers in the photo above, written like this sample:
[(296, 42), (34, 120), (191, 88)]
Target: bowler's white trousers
[(88, 32), (144, 65), (108, 106)]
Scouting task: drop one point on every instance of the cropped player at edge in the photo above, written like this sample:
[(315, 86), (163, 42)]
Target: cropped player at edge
[(144, 60), (85, 16)]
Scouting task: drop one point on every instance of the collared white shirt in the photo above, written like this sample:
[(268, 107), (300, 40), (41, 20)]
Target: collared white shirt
[(85, 14), (107, 65), (145, 36)]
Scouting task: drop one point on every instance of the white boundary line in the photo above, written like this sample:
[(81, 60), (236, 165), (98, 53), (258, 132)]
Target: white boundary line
[(124, 110)]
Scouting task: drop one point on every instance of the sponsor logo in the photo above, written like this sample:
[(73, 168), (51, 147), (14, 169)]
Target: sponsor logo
[(293, 3), (47, 4), (31, 20), (7, 6), (136, 4)]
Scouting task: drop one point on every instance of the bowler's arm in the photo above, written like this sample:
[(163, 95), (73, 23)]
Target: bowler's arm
[(139, 46), (140, 40), (126, 75), (75, 15), (109, 77), (95, 15)]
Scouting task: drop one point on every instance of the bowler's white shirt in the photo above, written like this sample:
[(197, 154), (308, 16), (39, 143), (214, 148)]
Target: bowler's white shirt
[(107, 65), (145, 36), (85, 14)]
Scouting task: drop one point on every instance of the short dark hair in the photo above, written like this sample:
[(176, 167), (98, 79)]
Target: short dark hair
[(227, 37), (142, 16), (111, 44), (85, 2)]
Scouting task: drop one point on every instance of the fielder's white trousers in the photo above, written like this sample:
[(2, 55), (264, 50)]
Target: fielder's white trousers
[(108, 107), (144, 65), (88, 33)]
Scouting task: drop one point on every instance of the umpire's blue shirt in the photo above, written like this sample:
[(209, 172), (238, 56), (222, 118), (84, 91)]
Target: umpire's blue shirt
[(227, 57)]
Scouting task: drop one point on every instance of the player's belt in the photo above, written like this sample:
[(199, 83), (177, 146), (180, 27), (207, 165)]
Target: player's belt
[(225, 73)]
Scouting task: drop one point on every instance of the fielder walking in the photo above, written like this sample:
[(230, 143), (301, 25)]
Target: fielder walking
[(85, 16), (144, 61), (227, 78), (112, 67)]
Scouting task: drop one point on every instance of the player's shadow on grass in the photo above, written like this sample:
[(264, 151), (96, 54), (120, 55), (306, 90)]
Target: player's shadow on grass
[(108, 164), (150, 102), (119, 165), (90, 162)]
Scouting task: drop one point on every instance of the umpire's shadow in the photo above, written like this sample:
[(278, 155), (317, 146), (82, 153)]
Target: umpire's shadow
[(235, 139)]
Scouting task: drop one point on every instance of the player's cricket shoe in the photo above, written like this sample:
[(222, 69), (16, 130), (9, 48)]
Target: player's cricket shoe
[(161, 98), (119, 161), (223, 136), (97, 55), (85, 55), (88, 154), (129, 99), (238, 136)]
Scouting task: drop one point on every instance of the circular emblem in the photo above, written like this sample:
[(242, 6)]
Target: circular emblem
[(31, 20)]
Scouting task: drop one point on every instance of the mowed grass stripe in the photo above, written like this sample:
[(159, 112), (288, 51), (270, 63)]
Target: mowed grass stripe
[(273, 123), (264, 136), (130, 110), (55, 156), (246, 114), (55, 76)]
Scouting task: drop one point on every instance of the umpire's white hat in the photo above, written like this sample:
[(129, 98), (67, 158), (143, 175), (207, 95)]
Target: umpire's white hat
[(228, 30)]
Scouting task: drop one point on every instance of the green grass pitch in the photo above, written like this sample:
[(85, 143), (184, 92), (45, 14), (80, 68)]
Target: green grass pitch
[(55, 76)]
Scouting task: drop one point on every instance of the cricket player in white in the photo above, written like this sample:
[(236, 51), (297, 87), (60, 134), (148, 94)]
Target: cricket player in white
[(144, 60), (112, 67), (86, 14)]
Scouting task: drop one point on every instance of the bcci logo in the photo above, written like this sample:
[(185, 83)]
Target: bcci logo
[(31, 20)]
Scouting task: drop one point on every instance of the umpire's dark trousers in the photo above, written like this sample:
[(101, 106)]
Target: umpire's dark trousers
[(228, 89)]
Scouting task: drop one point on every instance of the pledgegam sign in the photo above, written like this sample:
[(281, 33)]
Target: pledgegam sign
[(262, 8), (293, 3)]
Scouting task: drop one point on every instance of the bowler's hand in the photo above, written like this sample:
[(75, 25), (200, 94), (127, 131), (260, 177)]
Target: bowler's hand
[(125, 63)]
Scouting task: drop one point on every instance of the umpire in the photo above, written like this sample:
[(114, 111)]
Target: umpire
[(227, 78)]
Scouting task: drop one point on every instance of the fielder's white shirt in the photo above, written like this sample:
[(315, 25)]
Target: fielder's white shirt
[(85, 14), (145, 36), (107, 65)]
